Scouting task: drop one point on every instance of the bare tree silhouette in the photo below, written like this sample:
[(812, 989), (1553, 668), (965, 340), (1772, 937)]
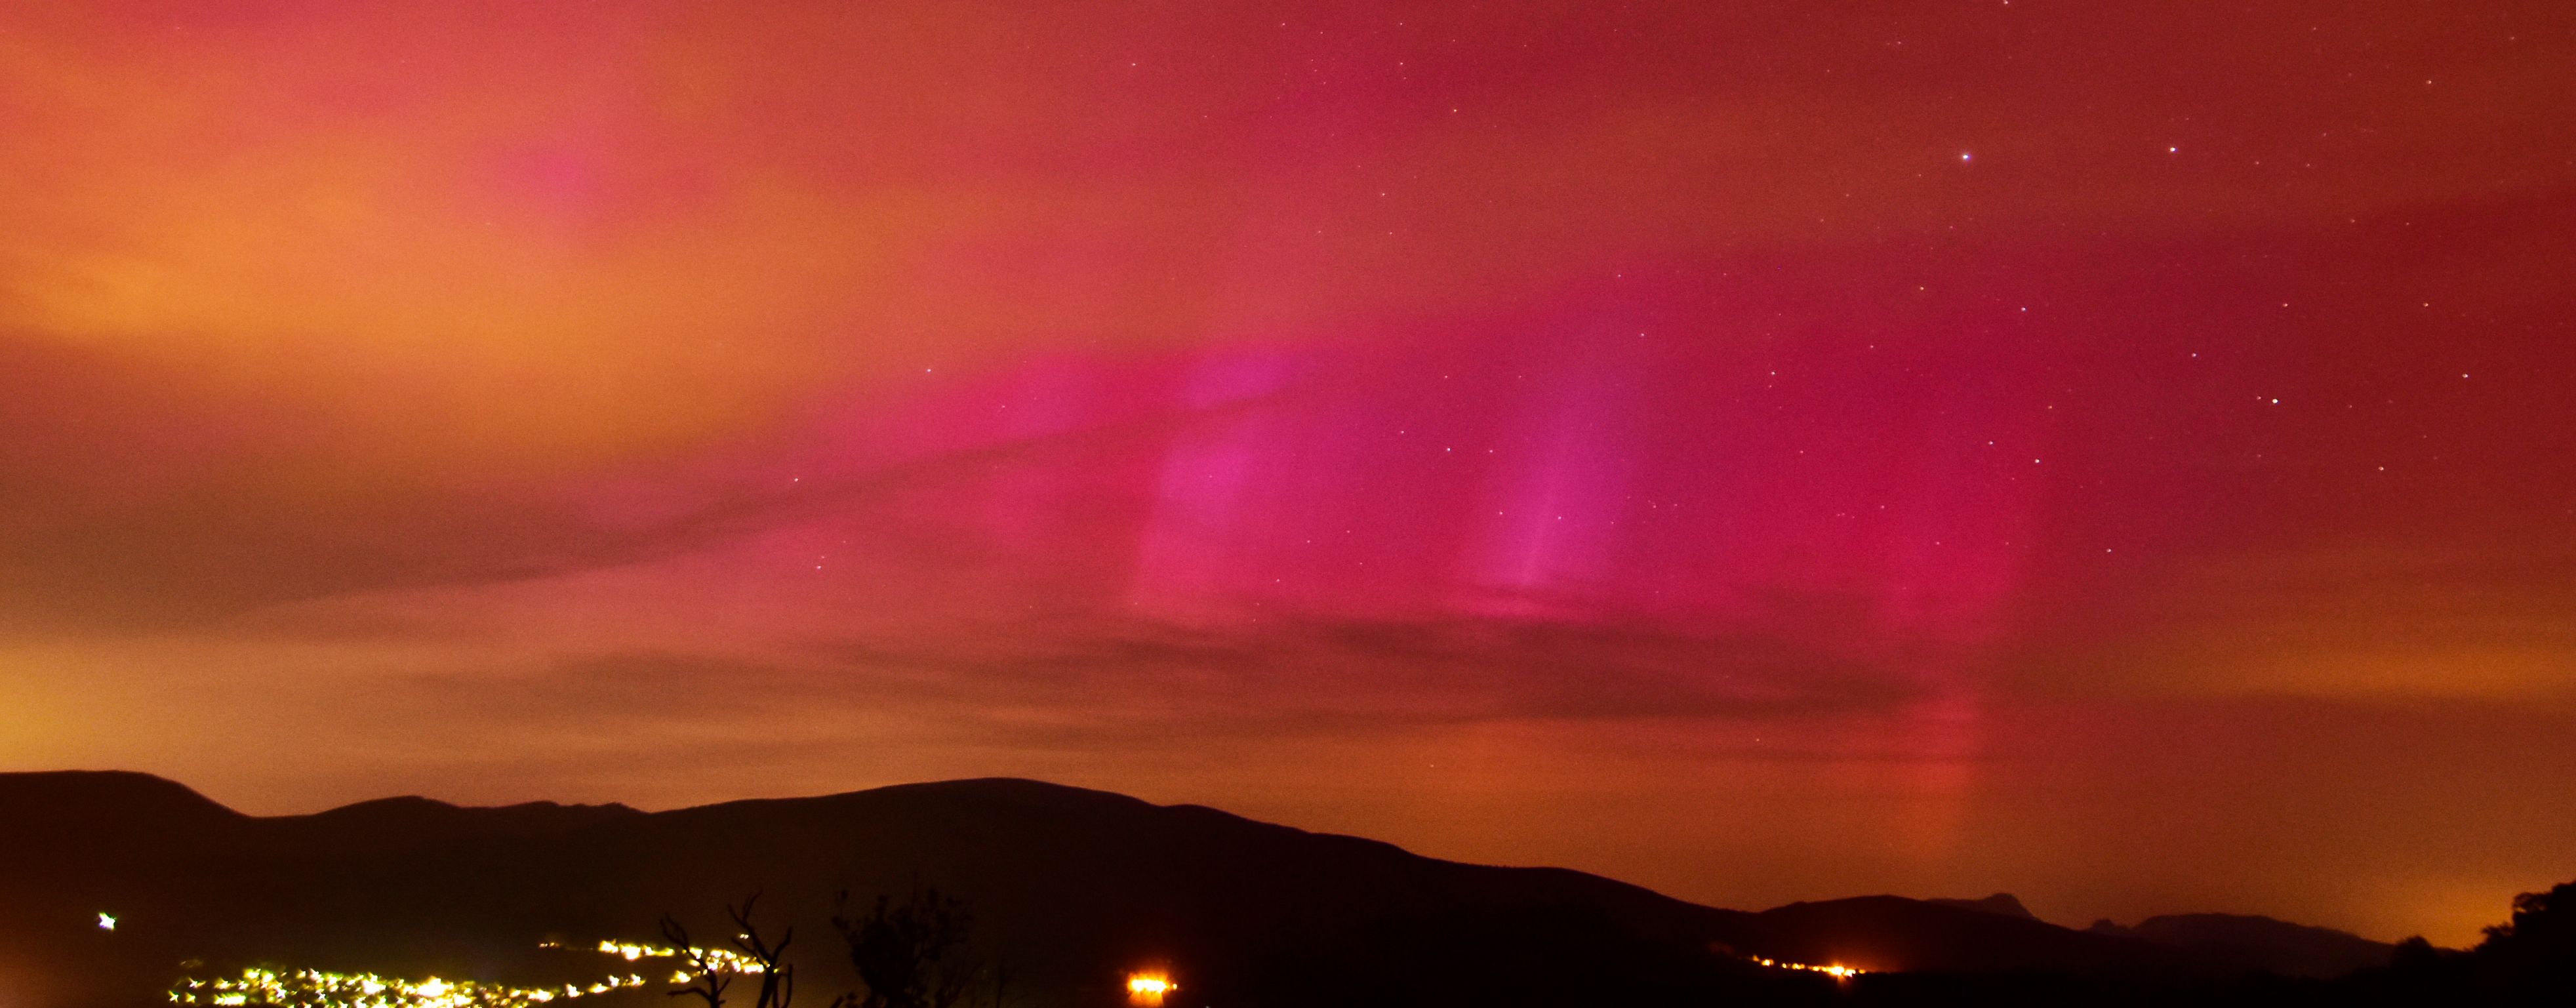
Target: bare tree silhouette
[(707, 976), (777, 977), (710, 974)]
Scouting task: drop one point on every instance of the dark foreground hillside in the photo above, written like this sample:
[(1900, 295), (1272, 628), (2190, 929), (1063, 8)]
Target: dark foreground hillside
[(1069, 889)]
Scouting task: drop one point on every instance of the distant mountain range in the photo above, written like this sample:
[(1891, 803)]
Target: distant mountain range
[(2258, 943), (2278, 946), (1070, 888)]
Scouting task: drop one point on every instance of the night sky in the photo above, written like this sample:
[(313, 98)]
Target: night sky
[(2123, 454)]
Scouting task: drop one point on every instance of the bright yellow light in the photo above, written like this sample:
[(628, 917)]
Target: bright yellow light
[(1148, 988)]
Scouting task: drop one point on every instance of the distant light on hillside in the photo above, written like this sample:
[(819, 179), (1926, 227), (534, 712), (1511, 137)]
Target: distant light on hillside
[(723, 959), (1837, 970), (107, 922), (1148, 988), (313, 988)]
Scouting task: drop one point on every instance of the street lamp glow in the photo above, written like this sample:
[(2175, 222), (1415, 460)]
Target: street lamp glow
[(1148, 988)]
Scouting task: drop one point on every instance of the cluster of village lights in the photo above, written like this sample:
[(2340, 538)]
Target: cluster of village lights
[(323, 989), (311, 988), (1836, 971), (723, 959)]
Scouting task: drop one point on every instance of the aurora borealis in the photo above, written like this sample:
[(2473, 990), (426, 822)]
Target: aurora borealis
[(1761, 451)]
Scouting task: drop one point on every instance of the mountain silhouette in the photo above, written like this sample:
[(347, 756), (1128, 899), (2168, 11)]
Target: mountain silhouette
[(2261, 942), (1069, 888), (2006, 904)]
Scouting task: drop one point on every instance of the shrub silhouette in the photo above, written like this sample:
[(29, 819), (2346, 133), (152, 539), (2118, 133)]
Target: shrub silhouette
[(2528, 960), (2531, 959), (912, 954)]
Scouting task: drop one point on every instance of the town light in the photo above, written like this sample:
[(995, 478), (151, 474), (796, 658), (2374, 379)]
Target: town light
[(1148, 988), (1837, 971)]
